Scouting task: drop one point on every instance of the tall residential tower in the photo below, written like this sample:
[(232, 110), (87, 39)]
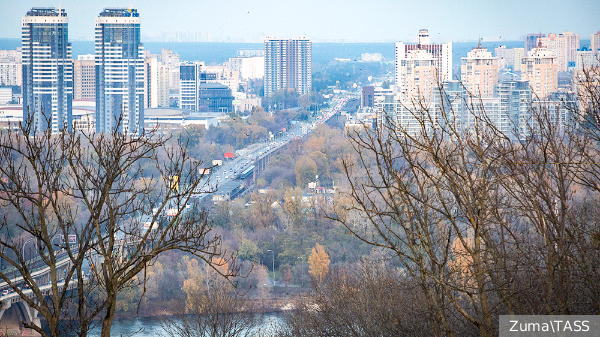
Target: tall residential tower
[(47, 70), (119, 71), (479, 72), (442, 54), (288, 64)]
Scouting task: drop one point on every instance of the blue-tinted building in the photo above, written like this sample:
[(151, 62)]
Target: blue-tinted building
[(119, 71), (47, 70)]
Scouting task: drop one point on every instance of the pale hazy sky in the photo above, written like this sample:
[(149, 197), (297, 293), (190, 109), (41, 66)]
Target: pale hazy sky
[(364, 20)]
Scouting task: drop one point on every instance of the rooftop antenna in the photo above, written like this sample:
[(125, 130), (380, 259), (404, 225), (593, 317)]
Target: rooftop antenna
[(479, 44)]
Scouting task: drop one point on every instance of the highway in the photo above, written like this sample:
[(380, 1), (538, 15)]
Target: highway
[(232, 168)]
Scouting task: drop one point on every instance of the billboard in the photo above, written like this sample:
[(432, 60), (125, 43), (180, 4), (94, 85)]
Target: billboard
[(202, 171), (228, 154), (217, 162)]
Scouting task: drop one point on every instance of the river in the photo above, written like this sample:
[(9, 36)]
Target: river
[(151, 326)]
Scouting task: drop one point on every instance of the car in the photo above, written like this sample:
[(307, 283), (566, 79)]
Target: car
[(5, 292)]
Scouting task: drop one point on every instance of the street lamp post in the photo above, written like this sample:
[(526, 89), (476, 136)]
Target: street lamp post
[(301, 270), (25, 245), (269, 250)]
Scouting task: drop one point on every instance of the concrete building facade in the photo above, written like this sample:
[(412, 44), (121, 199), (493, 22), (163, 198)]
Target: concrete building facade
[(84, 79), (564, 46), (156, 83), (416, 76), (479, 72), (442, 54), (288, 64), (540, 68), (11, 72)]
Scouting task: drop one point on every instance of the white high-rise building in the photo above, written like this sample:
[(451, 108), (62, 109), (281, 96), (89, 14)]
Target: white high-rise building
[(120, 71), (564, 46), (586, 58), (288, 64), (171, 61), (442, 54), (188, 85), (47, 70), (479, 71), (11, 68), (156, 83), (417, 74), (540, 68), (249, 67), (595, 42)]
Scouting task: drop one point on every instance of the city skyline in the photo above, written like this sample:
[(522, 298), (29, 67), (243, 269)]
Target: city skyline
[(338, 21)]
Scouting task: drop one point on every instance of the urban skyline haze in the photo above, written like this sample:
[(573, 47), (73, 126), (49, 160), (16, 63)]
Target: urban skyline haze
[(329, 21)]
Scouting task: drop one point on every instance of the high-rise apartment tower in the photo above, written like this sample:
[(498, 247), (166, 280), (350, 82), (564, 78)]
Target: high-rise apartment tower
[(47, 70), (288, 64), (119, 71)]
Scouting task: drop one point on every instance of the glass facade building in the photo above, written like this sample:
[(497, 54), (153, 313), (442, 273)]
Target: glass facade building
[(119, 71), (47, 70)]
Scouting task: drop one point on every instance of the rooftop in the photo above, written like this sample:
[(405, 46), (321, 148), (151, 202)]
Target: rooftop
[(119, 12), (46, 11)]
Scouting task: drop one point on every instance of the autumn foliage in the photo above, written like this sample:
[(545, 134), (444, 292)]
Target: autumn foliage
[(318, 263)]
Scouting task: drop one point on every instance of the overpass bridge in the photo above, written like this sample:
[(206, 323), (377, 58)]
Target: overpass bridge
[(14, 309)]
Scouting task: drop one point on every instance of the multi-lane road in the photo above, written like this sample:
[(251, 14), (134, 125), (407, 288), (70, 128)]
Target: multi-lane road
[(243, 164)]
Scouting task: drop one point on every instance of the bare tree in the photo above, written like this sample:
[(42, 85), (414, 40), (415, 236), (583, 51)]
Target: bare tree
[(370, 298), (214, 308), (96, 187), (485, 224)]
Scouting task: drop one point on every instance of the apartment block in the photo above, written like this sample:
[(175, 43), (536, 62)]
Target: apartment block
[(441, 53), (479, 71), (84, 79), (11, 69), (540, 68), (564, 46), (288, 64), (119, 71), (47, 70)]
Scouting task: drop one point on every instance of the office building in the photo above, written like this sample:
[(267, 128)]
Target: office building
[(47, 70), (188, 85), (531, 41), (84, 79), (288, 65), (119, 71), (479, 71), (564, 46), (367, 97), (441, 53), (10, 68), (540, 68), (214, 97)]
